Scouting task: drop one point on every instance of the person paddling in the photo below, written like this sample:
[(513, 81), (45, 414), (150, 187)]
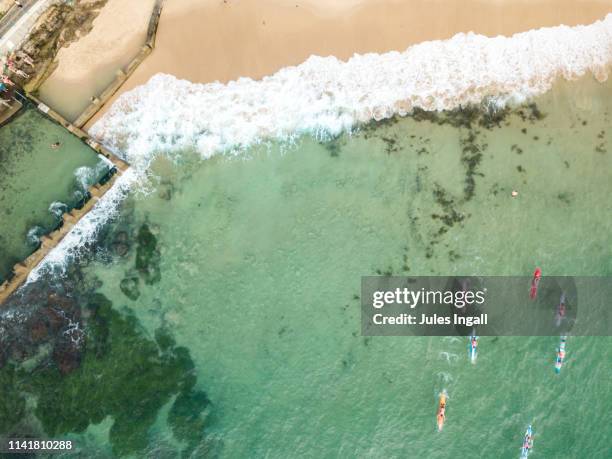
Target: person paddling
[(441, 416), (535, 283)]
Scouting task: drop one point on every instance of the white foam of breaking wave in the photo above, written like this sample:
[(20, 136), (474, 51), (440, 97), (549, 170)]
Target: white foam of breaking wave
[(87, 176), (57, 208), (34, 234), (87, 228), (326, 95)]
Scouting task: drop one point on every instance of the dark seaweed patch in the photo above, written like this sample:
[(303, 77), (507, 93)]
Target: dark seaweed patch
[(464, 117), (129, 285), (166, 190), (147, 262), (102, 365), (471, 157), (372, 127), (469, 118), (534, 112), (450, 215), (564, 197), (418, 114), (601, 147), (493, 117), (418, 182), (333, 146), (530, 112), (148, 256), (405, 266), (390, 145)]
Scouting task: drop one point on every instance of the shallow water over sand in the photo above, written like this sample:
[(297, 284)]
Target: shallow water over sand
[(253, 264)]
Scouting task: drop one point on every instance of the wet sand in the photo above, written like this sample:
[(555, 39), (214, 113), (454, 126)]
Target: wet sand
[(210, 40)]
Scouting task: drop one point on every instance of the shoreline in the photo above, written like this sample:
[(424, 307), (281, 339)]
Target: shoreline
[(326, 96), (197, 41)]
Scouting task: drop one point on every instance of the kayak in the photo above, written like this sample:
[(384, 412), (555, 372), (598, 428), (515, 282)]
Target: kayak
[(441, 416), (473, 348), (527, 443), (535, 282), (560, 355), (560, 315)]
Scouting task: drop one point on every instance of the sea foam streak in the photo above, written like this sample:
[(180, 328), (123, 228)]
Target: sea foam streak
[(325, 96)]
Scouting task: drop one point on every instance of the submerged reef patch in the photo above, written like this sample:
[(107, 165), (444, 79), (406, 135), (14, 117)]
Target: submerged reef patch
[(146, 263), (148, 255), (83, 364)]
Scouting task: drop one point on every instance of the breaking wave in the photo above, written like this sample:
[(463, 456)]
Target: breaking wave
[(88, 176), (34, 234), (57, 209), (325, 96)]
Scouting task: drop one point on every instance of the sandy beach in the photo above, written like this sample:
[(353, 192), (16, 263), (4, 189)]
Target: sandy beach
[(210, 40), (214, 40), (88, 65)]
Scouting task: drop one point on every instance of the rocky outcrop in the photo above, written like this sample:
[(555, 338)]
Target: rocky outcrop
[(59, 26)]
